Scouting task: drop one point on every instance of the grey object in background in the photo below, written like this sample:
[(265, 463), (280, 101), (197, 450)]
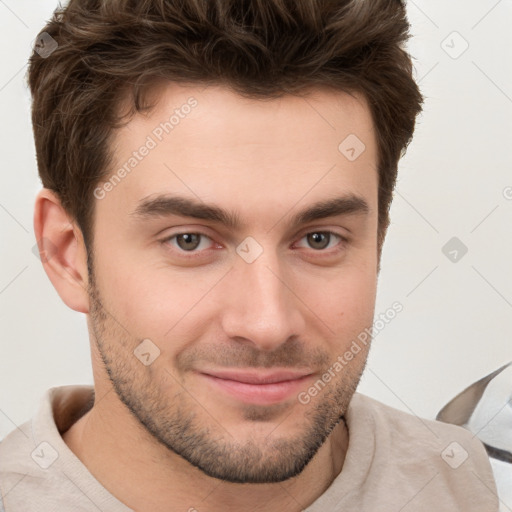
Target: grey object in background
[(485, 408)]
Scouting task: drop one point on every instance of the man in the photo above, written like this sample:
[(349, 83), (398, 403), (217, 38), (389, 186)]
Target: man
[(217, 181)]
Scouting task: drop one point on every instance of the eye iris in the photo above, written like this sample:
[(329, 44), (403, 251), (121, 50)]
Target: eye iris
[(316, 238), (191, 241), (189, 238)]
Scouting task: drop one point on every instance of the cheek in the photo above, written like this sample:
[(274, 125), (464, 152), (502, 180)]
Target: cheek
[(156, 303), (345, 303), (351, 322), (347, 288), (133, 298)]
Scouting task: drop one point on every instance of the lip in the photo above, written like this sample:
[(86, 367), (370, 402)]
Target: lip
[(257, 387)]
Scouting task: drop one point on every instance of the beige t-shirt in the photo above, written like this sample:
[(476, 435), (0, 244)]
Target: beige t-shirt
[(395, 462)]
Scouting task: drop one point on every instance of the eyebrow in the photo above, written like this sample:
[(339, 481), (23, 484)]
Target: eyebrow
[(166, 205)]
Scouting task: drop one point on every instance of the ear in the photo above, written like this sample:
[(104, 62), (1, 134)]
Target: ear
[(62, 250)]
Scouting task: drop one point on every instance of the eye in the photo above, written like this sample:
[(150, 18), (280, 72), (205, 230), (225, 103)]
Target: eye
[(321, 240), (187, 242), (191, 242)]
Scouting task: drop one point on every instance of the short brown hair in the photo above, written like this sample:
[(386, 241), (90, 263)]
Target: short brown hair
[(112, 49)]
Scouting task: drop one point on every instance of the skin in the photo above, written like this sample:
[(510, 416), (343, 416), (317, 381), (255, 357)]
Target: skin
[(298, 305)]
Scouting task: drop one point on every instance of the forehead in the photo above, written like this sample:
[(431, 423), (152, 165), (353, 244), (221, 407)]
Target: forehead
[(211, 143)]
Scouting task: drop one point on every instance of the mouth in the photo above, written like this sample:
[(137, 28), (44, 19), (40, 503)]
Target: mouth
[(262, 388)]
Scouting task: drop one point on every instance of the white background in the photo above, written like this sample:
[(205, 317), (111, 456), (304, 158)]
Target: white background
[(454, 328)]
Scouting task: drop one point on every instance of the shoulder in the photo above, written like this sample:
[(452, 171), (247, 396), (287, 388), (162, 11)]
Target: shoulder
[(408, 432), (34, 460), (447, 459), (16, 470)]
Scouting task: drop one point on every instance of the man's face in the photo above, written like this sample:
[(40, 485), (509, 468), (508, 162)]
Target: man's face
[(273, 293)]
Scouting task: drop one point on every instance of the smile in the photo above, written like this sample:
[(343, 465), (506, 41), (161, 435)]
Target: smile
[(257, 388)]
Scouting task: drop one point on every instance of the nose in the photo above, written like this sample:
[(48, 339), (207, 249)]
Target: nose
[(260, 305)]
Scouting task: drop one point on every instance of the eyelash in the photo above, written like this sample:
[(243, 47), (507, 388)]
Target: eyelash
[(193, 253)]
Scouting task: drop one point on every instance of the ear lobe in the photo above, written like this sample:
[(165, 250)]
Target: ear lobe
[(62, 250)]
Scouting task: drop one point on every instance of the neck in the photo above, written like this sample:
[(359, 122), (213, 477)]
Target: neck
[(146, 476)]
